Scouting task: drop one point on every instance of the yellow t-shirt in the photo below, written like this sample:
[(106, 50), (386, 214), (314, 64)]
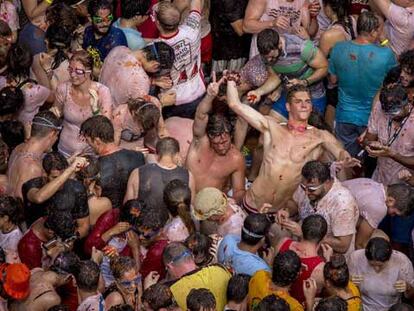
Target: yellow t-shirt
[(259, 288), (355, 302), (215, 278)]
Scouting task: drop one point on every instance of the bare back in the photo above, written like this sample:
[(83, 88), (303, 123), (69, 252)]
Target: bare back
[(285, 153)]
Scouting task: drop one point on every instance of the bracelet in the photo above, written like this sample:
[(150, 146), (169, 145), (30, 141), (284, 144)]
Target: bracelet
[(307, 82), (49, 2)]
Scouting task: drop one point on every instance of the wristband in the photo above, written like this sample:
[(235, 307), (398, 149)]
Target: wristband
[(307, 82), (49, 2)]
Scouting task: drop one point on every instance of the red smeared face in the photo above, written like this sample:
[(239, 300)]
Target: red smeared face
[(221, 143)]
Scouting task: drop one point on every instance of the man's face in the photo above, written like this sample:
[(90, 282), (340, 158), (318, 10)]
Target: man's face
[(102, 21), (130, 281), (378, 266), (271, 58), (406, 78), (314, 189), (220, 143), (300, 106), (54, 174)]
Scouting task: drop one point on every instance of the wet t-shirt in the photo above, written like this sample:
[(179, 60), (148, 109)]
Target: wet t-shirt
[(234, 224), (115, 170), (377, 289), (71, 198)]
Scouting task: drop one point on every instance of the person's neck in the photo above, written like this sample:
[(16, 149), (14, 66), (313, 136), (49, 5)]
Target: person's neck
[(83, 88), (235, 306), (248, 248), (364, 40), (276, 287), (227, 215), (108, 149), (83, 295), (185, 268), (297, 125), (308, 248), (36, 145), (167, 162), (128, 23), (168, 33), (343, 293)]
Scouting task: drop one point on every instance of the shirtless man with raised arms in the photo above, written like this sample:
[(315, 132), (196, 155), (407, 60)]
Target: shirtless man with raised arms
[(212, 158), (25, 162), (287, 147)]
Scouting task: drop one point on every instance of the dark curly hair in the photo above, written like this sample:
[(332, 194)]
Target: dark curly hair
[(11, 207), (332, 304), (336, 271), (152, 217), (11, 100), (286, 268), (392, 97), (272, 303), (158, 296), (218, 124), (19, 62), (63, 15), (407, 61), (59, 38), (54, 161), (120, 265), (61, 223), (95, 5)]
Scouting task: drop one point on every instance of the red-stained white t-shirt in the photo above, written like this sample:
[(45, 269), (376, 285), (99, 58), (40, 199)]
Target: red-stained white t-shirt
[(399, 28), (186, 73)]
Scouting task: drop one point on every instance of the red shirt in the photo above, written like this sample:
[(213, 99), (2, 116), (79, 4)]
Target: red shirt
[(153, 259), (30, 250), (148, 28), (296, 290), (105, 222)]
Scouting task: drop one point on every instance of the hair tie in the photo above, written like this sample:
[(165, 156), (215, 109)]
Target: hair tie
[(252, 234)]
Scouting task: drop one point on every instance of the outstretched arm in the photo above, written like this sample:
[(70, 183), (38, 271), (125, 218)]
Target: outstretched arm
[(254, 118), (382, 6), (204, 108)]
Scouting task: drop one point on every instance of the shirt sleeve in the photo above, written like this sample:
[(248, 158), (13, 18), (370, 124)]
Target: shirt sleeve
[(343, 220), (406, 272), (398, 17), (309, 51), (192, 25), (105, 101)]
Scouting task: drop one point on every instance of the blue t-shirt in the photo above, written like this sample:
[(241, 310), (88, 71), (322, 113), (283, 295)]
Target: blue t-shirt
[(104, 45), (360, 70), (133, 36), (241, 261)]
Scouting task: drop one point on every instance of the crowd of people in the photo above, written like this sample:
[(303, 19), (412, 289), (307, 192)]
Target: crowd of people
[(206, 155)]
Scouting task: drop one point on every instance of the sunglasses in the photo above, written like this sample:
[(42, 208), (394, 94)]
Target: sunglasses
[(78, 72), (310, 188), (99, 20), (135, 281)]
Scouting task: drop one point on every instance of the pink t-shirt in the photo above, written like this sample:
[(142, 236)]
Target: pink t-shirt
[(234, 224), (377, 289), (293, 10), (175, 230), (387, 169), (74, 115), (8, 13), (125, 124), (123, 74), (186, 73), (338, 207), (370, 197), (399, 28)]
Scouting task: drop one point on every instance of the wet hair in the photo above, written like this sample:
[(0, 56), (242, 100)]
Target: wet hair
[(238, 288), (286, 268), (11, 207), (11, 100), (61, 223), (90, 172), (199, 244), (120, 265), (401, 307), (314, 228), (84, 58), (316, 170), (393, 97), (130, 211), (132, 8), (145, 113), (177, 198), (267, 41), (393, 76), (272, 303), (406, 60), (48, 122), (158, 296), (162, 53), (98, 127), (95, 5), (200, 299), (54, 161), (255, 224), (66, 262), (60, 307), (218, 124), (63, 15), (334, 303), (367, 23), (336, 271), (19, 62), (167, 146), (378, 249), (59, 38), (5, 30), (12, 133), (87, 278), (341, 9), (296, 89), (122, 307), (404, 197), (152, 217), (318, 121), (168, 21), (174, 253)]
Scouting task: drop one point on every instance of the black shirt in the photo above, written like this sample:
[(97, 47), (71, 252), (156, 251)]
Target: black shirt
[(71, 198), (227, 43), (115, 170)]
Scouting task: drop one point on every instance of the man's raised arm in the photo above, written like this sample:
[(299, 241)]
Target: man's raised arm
[(253, 117)]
